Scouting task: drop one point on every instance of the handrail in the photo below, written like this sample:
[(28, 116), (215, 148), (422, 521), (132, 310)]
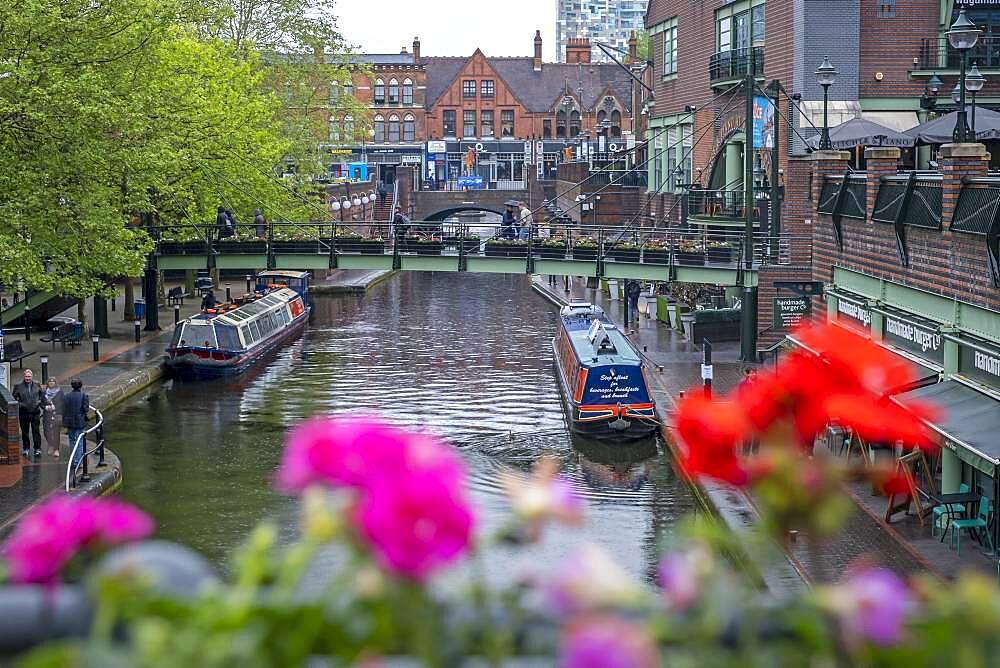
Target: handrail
[(71, 471)]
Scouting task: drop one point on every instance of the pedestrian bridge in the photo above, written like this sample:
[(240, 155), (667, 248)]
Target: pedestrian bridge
[(664, 254), (437, 205)]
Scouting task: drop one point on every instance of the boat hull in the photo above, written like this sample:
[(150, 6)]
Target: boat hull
[(199, 367), (610, 424)]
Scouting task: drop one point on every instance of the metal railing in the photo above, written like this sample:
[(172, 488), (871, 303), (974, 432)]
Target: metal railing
[(937, 54), (736, 63), (83, 466), (723, 203)]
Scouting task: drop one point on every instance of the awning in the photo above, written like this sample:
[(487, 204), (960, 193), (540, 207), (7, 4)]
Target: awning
[(970, 419), (900, 121)]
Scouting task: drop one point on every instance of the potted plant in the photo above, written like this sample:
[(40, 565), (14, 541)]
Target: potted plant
[(719, 251), (655, 251), (468, 244), (689, 253), (623, 252), (182, 247), (507, 248), (687, 296), (297, 242), (585, 248), (428, 246), (553, 248), (242, 243)]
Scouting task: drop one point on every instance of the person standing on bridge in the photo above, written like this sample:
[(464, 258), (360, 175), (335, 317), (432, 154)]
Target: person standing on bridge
[(508, 228), (76, 406), (525, 221), (31, 401), (259, 224)]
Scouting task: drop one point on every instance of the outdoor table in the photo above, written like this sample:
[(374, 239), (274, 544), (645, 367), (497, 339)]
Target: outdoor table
[(958, 498)]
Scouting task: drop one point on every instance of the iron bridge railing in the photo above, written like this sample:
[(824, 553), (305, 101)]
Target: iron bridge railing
[(80, 472)]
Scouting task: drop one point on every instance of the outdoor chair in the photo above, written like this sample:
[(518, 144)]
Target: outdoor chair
[(946, 510), (981, 521)]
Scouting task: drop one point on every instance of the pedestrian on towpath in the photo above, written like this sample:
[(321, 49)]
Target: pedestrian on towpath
[(52, 417), (31, 402), (76, 406)]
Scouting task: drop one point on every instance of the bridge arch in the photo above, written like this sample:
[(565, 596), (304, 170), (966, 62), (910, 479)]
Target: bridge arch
[(454, 210)]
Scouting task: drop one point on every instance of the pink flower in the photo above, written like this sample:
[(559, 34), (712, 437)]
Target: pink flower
[(590, 579), (681, 579), (415, 523), (606, 642), (873, 605), (542, 497), (52, 533)]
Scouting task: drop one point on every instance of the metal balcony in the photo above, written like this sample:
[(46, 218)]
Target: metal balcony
[(936, 54), (737, 63)]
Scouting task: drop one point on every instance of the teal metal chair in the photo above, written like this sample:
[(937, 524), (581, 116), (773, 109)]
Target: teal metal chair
[(981, 521), (947, 510)]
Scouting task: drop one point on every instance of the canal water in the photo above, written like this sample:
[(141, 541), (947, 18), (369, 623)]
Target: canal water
[(465, 356)]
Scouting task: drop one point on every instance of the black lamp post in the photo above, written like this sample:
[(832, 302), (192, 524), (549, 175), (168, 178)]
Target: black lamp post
[(826, 74), (962, 36), (974, 81), (929, 99)]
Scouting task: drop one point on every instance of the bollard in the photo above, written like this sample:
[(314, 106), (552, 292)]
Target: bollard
[(100, 446), (229, 294), (96, 340), (138, 331), (249, 281), (1, 344), (27, 322), (706, 368), (177, 314), (114, 298), (44, 359)]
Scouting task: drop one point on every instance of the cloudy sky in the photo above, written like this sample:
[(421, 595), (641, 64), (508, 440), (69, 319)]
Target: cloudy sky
[(449, 27)]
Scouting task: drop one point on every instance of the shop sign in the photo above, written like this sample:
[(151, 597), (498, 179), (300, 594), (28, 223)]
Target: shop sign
[(923, 340), (5, 374), (411, 160), (789, 312), (470, 182), (854, 313), (979, 364), (437, 146)]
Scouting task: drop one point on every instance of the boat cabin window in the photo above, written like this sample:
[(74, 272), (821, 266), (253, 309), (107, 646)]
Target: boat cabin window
[(229, 338), (178, 336), (247, 337), (200, 334), (255, 331)]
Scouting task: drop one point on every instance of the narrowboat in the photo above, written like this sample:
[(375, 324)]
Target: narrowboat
[(602, 377), (230, 338)]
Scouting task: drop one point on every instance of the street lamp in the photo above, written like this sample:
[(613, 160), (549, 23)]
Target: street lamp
[(929, 98), (962, 36), (974, 81), (826, 74)]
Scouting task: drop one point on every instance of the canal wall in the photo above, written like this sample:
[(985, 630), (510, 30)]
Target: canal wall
[(350, 282), (762, 560)]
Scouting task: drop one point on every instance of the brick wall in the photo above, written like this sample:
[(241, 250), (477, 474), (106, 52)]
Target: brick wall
[(10, 434)]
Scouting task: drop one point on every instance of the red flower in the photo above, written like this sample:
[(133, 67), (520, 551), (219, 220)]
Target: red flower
[(879, 420), (855, 359), (710, 433)]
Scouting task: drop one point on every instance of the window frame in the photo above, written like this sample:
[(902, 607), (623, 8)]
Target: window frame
[(445, 116), (507, 122), (407, 93), (394, 129), (487, 92), (393, 97), (378, 93), (483, 124), (469, 123), (378, 126), (669, 46), (469, 89), (409, 128)]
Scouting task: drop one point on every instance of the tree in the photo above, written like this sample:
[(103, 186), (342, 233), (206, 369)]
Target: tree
[(642, 48)]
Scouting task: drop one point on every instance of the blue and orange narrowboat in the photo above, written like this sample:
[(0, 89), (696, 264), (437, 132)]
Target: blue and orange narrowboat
[(602, 377), (230, 338)]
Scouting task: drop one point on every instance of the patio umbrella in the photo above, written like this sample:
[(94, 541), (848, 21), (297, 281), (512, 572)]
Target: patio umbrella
[(861, 132), (939, 131)]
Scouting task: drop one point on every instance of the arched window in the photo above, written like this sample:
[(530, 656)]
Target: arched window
[(616, 123), (574, 123), (407, 93), (409, 128), (379, 125), (561, 125), (394, 129), (334, 127), (379, 92), (349, 129), (393, 92), (334, 92), (601, 117)]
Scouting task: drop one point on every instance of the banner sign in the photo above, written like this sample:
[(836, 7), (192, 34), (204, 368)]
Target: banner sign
[(763, 123), (853, 314), (470, 182), (978, 364), (923, 340), (437, 146), (789, 312), (5, 374)]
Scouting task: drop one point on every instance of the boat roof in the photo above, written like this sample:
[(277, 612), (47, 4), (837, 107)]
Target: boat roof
[(281, 273), (237, 316), (617, 350)]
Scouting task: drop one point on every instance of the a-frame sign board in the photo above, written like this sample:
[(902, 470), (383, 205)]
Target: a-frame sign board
[(905, 465)]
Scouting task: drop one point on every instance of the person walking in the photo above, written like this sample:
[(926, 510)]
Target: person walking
[(632, 291), (76, 405), (208, 301), (31, 401), (525, 221), (508, 226), (221, 223), (383, 192), (259, 224), (52, 417)]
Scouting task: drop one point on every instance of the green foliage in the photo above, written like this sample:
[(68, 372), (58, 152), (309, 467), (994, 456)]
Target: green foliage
[(642, 46)]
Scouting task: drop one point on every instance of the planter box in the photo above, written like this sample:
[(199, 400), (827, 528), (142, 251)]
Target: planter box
[(296, 247), (182, 248), (724, 255), (434, 248), (623, 254), (656, 256), (242, 247), (551, 252), (467, 246), (363, 246), (506, 251), (585, 253), (695, 259)]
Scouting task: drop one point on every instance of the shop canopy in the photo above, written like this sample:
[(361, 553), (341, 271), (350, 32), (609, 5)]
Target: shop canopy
[(969, 418), (941, 129), (862, 132)]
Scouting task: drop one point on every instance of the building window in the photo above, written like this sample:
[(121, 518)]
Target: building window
[(449, 123), (394, 129), (886, 9), (725, 34), (561, 124), (334, 93), (616, 124), (547, 128), (407, 93), (349, 89), (469, 122), (574, 124), (393, 92), (379, 92), (740, 26), (334, 130), (486, 123), (469, 89), (507, 122), (349, 129), (670, 50), (486, 89), (409, 128), (379, 125)]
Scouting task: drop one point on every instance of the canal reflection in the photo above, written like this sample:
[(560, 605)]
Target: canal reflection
[(468, 357)]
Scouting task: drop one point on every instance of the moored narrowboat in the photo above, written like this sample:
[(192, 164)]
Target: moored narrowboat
[(231, 338), (602, 377)]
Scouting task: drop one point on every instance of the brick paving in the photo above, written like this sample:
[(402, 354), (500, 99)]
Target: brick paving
[(904, 546)]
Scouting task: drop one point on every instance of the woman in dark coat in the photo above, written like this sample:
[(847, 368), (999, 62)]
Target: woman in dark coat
[(509, 228), (52, 418)]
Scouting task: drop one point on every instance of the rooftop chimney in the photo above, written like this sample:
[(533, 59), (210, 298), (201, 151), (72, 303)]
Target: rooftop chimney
[(416, 50), (578, 50), (633, 49), (403, 50), (538, 50)]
